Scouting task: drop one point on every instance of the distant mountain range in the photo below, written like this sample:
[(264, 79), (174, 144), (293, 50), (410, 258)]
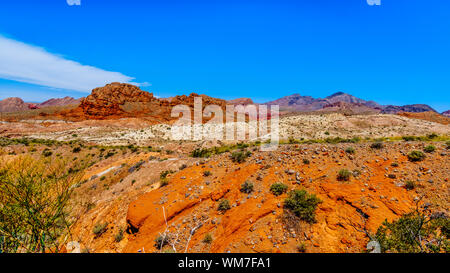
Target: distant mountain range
[(343, 101), (17, 104), (337, 102)]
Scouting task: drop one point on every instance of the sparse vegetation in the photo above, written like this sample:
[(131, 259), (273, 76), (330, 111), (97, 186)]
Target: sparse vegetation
[(302, 204), (34, 203), (350, 150), (100, 228), (415, 232), (240, 156), (306, 161), (201, 153), (377, 145), (301, 248), (46, 152), (208, 238), (161, 241), (344, 175), (247, 187), (410, 185), (415, 156), (409, 138), (429, 149), (119, 235), (207, 173), (224, 205), (278, 188)]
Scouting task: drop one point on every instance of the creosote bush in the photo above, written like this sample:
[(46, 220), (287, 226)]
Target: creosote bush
[(415, 156), (247, 187), (278, 188), (302, 204), (34, 203), (429, 149), (416, 232), (100, 228), (240, 156), (119, 235), (410, 185), (350, 150), (377, 145), (344, 175), (208, 238), (224, 205)]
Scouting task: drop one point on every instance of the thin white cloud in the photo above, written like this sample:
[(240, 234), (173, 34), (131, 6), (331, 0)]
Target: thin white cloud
[(30, 64)]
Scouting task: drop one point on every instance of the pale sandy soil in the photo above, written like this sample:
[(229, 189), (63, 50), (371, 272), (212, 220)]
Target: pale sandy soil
[(138, 132)]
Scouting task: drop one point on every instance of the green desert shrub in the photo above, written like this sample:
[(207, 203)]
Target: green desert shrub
[(224, 205), (247, 187), (207, 173), (119, 235), (409, 138), (100, 228), (46, 152), (429, 149), (377, 145), (410, 185), (350, 150), (161, 241), (415, 232), (344, 175), (301, 248), (302, 204), (278, 188), (34, 203), (201, 153), (208, 238), (240, 156), (306, 161), (415, 156)]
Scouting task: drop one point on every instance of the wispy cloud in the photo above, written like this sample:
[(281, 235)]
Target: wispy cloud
[(30, 64)]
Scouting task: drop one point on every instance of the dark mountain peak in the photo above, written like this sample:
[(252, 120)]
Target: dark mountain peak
[(412, 108), (337, 94)]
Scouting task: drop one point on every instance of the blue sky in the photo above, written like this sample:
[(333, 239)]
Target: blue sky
[(396, 53)]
